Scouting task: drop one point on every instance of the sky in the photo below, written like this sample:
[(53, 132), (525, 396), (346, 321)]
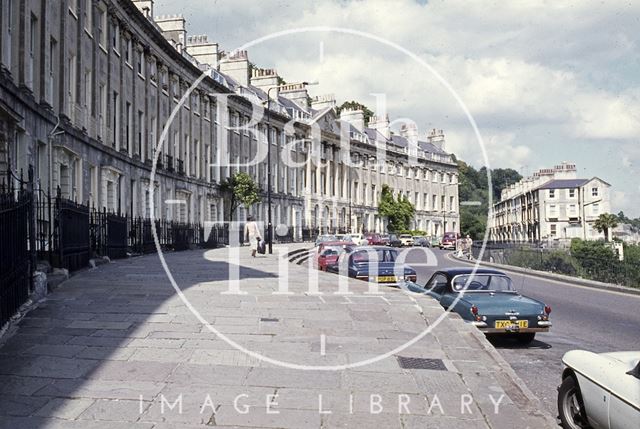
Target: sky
[(545, 81)]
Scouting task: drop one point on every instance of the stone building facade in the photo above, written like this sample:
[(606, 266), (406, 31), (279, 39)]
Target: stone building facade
[(87, 88), (552, 205)]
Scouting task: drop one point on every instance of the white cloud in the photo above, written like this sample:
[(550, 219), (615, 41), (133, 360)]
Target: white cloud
[(544, 80)]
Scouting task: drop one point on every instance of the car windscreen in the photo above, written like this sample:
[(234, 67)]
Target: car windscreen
[(334, 250), (482, 283), (374, 255)]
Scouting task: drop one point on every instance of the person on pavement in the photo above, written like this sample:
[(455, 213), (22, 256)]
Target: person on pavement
[(252, 234)]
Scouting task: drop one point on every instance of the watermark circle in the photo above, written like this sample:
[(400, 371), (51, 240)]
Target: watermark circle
[(196, 313)]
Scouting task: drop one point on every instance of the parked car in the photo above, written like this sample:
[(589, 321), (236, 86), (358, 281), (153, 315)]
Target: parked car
[(324, 238), (328, 253), (406, 240), (435, 241), (373, 239), (356, 238), (360, 261), (339, 237), (600, 391), (394, 241), (420, 241), (488, 300), (384, 239), (449, 241)]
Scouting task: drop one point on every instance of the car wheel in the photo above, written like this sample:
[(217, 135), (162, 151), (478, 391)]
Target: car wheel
[(571, 406), (526, 338)]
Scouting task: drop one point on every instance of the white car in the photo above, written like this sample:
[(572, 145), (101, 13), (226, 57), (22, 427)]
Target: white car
[(406, 239), (356, 238), (600, 391)]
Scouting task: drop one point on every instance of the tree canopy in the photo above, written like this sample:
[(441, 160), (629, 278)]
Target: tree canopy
[(354, 105), (398, 211), (239, 189), (604, 223), (474, 187)]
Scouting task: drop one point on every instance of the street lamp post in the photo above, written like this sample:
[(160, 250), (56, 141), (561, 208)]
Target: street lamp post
[(269, 219)]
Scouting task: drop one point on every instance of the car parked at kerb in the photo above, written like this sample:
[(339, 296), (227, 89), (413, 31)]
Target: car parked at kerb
[(600, 391), (487, 299), (329, 252), (379, 264)]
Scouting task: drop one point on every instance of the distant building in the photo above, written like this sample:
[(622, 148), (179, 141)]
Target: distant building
[(627, 233), (552, 205)]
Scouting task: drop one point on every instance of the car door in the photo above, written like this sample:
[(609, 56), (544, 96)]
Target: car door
[(622, 414), (437, 286)]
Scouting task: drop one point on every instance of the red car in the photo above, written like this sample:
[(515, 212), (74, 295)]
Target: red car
[(449, 240), (330, 251), (374, 239)]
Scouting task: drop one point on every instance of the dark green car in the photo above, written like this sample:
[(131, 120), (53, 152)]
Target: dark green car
[(488, 300)]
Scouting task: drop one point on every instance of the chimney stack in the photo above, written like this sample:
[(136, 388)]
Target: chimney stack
[(353, 117), (436, 137), (381, 124), (236, 65)]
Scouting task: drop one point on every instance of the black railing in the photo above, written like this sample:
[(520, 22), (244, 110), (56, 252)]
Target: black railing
[(16, 261), (72, 242), (180, 165), (108, 233)]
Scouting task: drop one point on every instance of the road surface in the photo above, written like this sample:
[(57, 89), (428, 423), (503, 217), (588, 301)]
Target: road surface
[(583, 318)]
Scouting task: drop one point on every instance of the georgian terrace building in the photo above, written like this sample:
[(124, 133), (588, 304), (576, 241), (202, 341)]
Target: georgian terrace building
[(552, 205), (86, 88)]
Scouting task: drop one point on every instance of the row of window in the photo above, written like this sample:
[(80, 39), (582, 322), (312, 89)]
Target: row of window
[(570, 193)]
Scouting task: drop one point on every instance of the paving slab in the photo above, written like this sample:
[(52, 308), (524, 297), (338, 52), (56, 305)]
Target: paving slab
[(117, 347)]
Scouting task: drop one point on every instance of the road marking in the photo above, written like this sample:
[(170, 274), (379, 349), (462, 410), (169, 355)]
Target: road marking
[(322, 344), (560, 282)]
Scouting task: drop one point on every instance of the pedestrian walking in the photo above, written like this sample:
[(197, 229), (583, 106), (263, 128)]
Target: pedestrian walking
[(252, 234), (468, 243)]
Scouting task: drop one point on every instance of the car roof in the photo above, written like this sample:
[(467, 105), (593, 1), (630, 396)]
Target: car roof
[(375, 248), (337, 243), (456, 271)]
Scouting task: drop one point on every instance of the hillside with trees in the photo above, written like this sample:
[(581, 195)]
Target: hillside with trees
[(474, 187)]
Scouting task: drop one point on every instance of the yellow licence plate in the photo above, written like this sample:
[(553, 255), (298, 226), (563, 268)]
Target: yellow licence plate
[(503, 324), (387, 279)]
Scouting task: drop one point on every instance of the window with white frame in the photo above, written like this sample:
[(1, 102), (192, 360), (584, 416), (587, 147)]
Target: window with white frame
[(553, 230), (88, 16), (552, 193), (572, 193), (141, 62), (128, 51), (33, 39), (102, 26), (115, 37), (595, 209), (7, 25), (594, 192)]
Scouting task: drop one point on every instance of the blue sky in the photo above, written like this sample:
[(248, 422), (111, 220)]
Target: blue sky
[(545, 81)]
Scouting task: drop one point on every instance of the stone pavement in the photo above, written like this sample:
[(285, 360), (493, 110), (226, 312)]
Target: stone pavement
[(116, 347)]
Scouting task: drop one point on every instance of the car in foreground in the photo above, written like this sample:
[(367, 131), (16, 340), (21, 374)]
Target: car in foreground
[(406, 239), (600, 391), (448, 241), (324, 238), (374, 264), (420, 241), (487, 299), (328, 253)]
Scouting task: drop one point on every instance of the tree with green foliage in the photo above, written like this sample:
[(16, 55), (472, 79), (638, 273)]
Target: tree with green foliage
[(474, 186), (239, 189), (398, 211), (605, 223), (354, 105)]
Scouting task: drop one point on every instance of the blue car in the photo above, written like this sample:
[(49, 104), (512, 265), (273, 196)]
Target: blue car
[(362, 261), (488, 300)]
